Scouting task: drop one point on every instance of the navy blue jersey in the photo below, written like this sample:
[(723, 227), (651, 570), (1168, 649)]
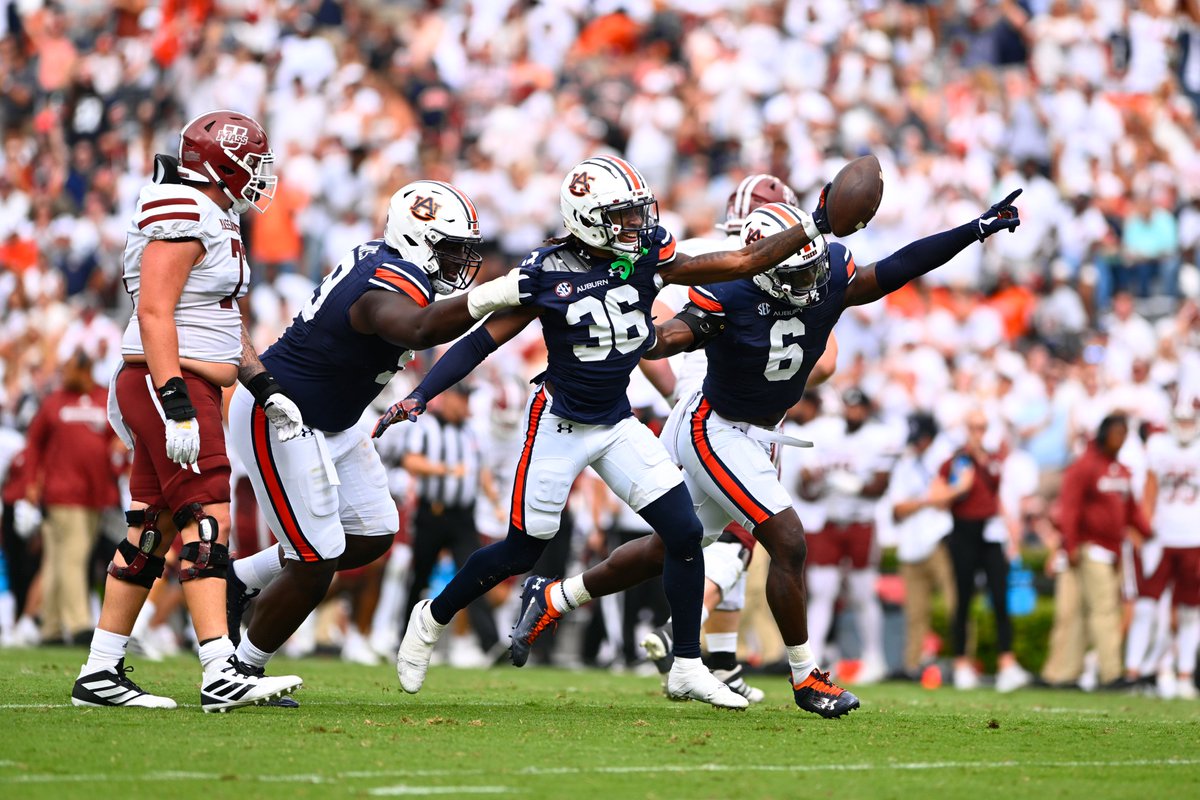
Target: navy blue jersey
[(596, 325), (330, 370), (758, 367)]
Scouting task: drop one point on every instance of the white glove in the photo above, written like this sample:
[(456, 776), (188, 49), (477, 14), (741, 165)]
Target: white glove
[(284, 415), (810, 226), (502, 292), (27, 518), (183, 441)]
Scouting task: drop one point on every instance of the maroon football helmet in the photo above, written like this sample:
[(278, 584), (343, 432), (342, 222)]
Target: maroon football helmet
[(230, 150), (752, 192)]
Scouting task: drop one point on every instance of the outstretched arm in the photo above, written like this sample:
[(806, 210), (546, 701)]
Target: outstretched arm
[(750, 260), (401, 320), (914, 260), (688, 330), (466, 354)]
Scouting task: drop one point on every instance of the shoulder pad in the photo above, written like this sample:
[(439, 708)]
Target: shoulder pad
[(172, 211)]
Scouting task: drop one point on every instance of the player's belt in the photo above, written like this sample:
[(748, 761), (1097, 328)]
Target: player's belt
[(771, 437)]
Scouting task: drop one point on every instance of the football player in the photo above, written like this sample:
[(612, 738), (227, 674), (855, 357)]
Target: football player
[(185, 269), (725, 560), (325, 493), (848, 472), (1172, 558), (593, 291), (763, 335)]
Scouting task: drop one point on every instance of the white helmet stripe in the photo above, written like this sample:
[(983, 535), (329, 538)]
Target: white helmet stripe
[(745, 191)]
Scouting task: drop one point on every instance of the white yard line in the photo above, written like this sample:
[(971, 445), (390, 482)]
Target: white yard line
[(339, 777), (393, 791)]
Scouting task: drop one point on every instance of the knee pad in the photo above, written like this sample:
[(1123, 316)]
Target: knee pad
[(210, 558), (142, 567)]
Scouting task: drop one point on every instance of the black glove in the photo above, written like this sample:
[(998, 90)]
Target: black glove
[(1000, 217)]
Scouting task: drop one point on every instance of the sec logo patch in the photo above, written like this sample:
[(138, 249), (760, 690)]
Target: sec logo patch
[(564, 289), (764, 309)]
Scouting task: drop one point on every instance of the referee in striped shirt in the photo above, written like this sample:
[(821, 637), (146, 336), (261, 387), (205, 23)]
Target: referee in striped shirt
[(442, 454)]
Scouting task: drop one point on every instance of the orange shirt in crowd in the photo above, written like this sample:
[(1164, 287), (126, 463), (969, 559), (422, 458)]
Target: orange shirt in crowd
[(18, 254), (277, 237)]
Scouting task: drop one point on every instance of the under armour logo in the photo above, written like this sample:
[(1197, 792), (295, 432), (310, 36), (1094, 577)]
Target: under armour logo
[(581, 184), (306, 432), (566, 427), (825, 703), (424, 209), (231, 136)]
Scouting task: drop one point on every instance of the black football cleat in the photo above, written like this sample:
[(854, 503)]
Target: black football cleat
[(537, 614), (113, 688), (818, 694)]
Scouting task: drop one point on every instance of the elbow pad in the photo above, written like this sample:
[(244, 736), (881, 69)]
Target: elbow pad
[(704, 328)]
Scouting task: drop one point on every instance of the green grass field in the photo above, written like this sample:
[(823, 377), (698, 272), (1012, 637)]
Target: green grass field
[(537, 733)]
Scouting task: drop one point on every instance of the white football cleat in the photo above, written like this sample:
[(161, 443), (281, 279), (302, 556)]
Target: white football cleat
[(965, 678), (112, 688), (1011, 678), (689, 678), (1185, 688), (412, 659), (232, 684)]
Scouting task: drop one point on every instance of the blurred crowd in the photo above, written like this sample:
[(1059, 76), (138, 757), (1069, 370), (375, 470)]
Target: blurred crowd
[(1089, 105)]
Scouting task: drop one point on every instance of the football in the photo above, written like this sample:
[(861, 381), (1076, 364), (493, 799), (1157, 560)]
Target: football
[(854, 196)]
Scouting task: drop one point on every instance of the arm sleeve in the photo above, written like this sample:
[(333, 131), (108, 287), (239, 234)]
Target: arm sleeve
[(1071, 500), (466, 354), (923, 255)]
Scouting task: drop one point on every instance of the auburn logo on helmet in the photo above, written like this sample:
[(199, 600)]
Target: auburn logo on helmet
[(231, 136), (753, 235), (424, 209), (581, 184)]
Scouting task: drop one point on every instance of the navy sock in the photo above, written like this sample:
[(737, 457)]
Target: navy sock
[(486, 567), (674, 520)]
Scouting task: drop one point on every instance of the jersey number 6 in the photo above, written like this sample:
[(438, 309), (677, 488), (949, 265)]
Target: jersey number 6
[(786, 355)]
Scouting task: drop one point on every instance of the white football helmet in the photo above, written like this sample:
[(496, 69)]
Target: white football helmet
[(1185, 421), (754, 191), (434, 226), (800, 279), (607, 204)]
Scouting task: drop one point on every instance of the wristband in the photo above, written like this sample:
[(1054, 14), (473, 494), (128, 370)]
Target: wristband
[(262, 386), (176, 404)]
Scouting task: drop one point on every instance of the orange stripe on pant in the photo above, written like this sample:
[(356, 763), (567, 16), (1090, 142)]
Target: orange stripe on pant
[(718, 472), (274, 484), (517, 517)]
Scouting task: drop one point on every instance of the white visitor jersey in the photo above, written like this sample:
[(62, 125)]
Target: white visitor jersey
[(690, 368), (206, 315), (1177, 511), (861, 453)]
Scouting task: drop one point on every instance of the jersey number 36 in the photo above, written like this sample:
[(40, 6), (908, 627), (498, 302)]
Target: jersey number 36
[(611, 325)]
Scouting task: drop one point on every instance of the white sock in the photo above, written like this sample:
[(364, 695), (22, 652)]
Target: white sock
[(216, 651), (249, 654), (870, 613), (1187, 639), (800, 656), (703, 615), (260, 569), (688, 664), (1141, 629), (721, 642), (107, 649), (823, 586), (569, 594), (430, 627)]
